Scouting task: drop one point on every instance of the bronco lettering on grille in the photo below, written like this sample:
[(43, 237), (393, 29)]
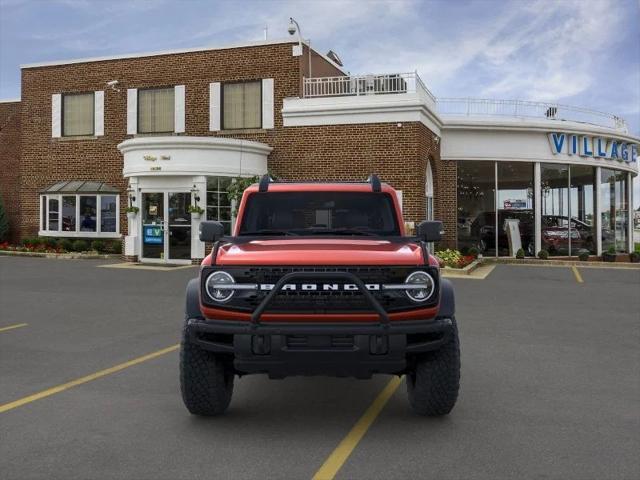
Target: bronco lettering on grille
[(320, 287)]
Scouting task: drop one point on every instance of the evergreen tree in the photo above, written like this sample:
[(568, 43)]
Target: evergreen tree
[(4, 223)]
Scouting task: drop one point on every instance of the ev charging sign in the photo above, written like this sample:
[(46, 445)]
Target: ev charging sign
[(595, 147)]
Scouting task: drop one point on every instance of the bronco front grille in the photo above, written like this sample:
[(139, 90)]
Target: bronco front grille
[(321, 302)]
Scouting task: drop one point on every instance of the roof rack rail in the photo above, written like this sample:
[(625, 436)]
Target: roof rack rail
[(266, 179), (376, 186), (264, 183)]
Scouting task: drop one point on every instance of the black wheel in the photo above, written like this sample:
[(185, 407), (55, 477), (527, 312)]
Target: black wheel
[(205, 382), (433, 385)]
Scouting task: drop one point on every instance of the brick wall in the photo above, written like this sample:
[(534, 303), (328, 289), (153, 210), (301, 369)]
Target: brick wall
[(340, 152), (10, 163), (47, 160)]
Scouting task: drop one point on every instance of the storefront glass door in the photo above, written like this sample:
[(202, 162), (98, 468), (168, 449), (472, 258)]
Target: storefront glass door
[(179, 244), (166, 227)]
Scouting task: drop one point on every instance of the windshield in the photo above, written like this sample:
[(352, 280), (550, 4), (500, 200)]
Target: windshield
[(319, 213)]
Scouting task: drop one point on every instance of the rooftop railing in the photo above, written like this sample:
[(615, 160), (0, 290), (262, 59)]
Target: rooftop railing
[(524, 108), (399, 83), (356, 85)]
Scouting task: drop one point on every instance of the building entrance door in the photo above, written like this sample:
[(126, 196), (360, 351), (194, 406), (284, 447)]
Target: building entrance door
[(166, 227)]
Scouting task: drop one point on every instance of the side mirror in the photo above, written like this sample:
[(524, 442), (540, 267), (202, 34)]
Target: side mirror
[(210, 231), (430, 231)]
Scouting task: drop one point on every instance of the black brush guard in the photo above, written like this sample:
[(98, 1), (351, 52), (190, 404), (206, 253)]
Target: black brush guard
[(373, 347)]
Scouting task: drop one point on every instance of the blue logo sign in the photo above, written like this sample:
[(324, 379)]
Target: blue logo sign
[(152, 235), (597, 147)]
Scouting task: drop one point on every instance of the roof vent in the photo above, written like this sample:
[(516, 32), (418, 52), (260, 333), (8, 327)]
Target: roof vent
[(333, 56)]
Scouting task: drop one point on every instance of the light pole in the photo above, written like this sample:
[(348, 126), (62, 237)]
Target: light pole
[(293, 28)]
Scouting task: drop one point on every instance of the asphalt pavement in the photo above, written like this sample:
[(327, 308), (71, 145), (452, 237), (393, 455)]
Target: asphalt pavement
[(550, 386)]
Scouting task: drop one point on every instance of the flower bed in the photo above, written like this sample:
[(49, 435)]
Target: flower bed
[(64, 245), (454, 259)]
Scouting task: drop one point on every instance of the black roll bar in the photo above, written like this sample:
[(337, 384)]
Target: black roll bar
[(255, 317)]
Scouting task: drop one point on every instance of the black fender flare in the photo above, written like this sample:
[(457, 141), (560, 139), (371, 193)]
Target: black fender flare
[(447, 299), (192, 306)]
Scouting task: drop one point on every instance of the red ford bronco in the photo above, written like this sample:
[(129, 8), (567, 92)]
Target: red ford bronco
[(319, 279)]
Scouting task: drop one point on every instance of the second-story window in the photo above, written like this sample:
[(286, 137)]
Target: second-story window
[(241, 105), (77, 114), (156, 110)]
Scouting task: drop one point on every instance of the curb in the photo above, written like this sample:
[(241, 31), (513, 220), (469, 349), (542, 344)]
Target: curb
[(466, 270), (563, 263), (62, 256)]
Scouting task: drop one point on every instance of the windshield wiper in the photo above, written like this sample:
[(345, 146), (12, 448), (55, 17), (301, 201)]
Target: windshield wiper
[(267, 231)]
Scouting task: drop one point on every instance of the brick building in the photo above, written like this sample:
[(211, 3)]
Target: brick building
[(167, 130)]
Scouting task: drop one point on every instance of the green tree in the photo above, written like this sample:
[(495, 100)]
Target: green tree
[(4, 223)]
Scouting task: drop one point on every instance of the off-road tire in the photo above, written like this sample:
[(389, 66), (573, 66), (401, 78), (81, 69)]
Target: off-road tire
[(206, 384), (433, 384)]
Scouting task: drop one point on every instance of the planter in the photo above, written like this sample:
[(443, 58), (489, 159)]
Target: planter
[(195, 215), (634, 257)]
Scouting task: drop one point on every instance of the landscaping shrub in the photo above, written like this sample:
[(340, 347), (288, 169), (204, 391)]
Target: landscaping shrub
[(30, 242), (543, 254), (98, 245), (48, 242), (583, 255), (66, 244), (80, 246), (473, 251), (113, 246), (634, 257), (449, 257), (520, 253)]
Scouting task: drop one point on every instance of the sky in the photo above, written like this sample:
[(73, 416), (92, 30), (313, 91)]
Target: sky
[(577, 52)]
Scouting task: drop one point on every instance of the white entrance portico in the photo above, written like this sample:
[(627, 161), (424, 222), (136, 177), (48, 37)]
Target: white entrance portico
[(167, 174)]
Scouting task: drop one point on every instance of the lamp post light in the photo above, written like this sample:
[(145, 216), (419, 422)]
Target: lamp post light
[(294, 28)]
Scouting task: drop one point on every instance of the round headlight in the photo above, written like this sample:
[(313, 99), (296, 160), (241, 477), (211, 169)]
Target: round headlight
[(215, 286), (427, 285)]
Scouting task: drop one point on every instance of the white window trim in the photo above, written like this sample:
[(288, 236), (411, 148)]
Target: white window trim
[(179, 100), (98, 113), (132, 111), (215, 112), (268, 109), (56, 115), (78, 233)]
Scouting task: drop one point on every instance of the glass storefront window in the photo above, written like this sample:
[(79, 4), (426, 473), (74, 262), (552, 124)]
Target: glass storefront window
[(88, 214), (218, 204), (43, 213), (476, 206), (69, 213), (614, 210), (554, 198), (108, 215), (515, 207), (582, 209), (53, 213)]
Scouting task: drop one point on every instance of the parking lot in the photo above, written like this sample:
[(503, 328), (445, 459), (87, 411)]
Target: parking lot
[(550, 386)]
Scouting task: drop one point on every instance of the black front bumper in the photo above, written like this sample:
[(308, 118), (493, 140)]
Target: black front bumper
[(335, 349)]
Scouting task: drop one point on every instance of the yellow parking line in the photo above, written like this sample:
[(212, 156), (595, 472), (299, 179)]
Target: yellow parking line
[(88, 378), (340, 455), (576, 273), (11, 327)]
